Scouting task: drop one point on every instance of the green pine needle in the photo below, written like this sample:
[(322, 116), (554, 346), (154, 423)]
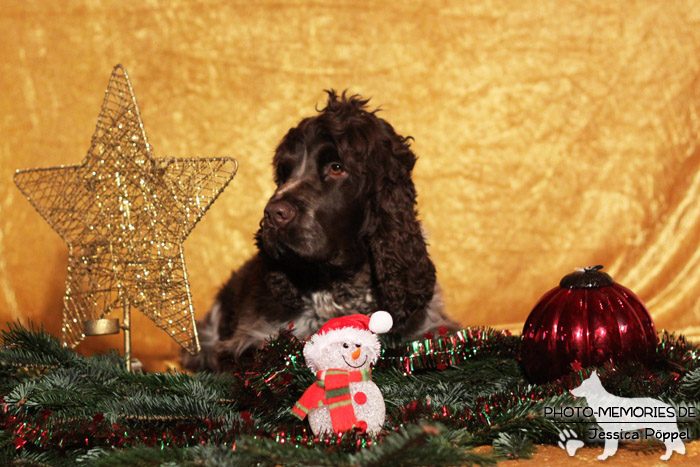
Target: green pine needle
[(85, 405), (513, 446)]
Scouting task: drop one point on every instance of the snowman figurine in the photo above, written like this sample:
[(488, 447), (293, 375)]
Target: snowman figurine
[(344, 396)]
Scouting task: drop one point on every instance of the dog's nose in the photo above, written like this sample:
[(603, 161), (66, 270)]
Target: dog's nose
[(279, 213)]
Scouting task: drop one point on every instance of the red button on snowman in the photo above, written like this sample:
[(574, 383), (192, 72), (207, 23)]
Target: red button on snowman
[(344, 396)]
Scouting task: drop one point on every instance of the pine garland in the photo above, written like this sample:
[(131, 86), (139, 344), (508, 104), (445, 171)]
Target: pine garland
[(513, 446), (445, 395)]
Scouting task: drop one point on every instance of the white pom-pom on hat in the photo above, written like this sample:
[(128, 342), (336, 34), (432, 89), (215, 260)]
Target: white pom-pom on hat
[(380, 322)]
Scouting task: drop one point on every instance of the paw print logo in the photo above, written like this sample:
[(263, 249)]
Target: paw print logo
[(569, 441)]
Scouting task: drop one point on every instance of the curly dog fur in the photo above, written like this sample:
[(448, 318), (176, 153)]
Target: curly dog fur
[(340, 235)]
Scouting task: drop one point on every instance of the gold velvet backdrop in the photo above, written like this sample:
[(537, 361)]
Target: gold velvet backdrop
[(551, 134)]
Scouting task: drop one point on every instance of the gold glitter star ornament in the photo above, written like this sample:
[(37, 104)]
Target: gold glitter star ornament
[(124, 215)]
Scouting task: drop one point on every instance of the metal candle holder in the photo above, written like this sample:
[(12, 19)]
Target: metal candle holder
[(106, 326)]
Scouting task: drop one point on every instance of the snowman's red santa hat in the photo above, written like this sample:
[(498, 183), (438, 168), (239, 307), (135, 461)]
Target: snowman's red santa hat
[(353, 329), (379, 323)]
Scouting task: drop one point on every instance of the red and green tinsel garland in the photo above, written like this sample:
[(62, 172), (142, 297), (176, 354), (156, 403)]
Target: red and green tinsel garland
[(54, 401)]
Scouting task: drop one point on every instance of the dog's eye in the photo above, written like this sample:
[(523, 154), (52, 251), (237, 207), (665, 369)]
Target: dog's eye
[(335, 169), (283, 170), (281, 176)]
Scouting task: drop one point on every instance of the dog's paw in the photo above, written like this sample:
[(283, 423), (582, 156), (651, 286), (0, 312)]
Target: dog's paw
[(569, 441)]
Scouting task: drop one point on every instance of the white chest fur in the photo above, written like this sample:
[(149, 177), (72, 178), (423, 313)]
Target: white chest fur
[(319, 307)]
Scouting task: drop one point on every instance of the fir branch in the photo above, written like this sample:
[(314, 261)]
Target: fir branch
[(60, 408), (690, 385), (137, 456), (512, 447), (6, 447), (417, 445), (410, 445), (31, 347), (37, 459)]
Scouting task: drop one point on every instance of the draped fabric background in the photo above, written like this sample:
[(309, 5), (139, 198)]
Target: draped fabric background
[(551, 135)]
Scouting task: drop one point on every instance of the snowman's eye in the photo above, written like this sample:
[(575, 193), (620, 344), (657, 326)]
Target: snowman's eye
[(358, 345), (345, 345)]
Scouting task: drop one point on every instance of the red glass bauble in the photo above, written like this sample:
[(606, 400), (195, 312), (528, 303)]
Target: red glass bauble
[(586, 321)]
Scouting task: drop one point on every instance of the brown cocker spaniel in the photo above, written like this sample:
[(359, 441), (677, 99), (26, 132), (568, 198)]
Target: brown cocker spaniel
[(339, 236)]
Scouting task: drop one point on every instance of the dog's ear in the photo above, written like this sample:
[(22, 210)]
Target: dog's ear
[(404, 273)]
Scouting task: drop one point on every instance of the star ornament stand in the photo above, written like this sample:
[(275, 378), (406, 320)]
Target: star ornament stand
[(124, 216), (107, 326)]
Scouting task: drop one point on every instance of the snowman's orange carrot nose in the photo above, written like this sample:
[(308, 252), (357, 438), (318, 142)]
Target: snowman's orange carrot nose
[(356, 354)]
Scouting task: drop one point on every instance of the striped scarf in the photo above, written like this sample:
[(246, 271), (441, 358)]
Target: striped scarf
[(332, 389)]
